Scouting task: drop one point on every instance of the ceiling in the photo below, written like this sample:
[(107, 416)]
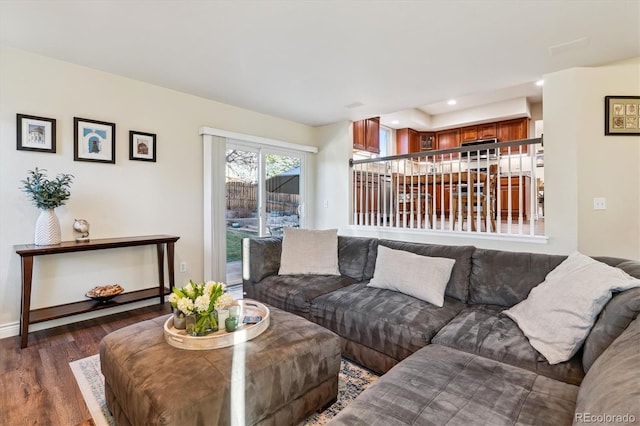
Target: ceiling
[(320, 62)]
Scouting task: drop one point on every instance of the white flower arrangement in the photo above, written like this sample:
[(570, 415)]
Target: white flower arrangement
[(200, 298)]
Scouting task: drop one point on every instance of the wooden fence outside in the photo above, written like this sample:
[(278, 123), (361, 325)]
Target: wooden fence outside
[(243, 198)]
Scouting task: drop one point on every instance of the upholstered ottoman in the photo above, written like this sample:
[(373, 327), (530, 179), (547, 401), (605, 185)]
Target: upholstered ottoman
[(278, 378)]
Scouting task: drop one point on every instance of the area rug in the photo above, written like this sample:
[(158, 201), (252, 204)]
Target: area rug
[(353, 379)]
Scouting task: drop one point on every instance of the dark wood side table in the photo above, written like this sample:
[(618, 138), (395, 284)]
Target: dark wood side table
[(28, 251)]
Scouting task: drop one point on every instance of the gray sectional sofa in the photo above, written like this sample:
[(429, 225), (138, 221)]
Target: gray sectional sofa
[(466, 362)]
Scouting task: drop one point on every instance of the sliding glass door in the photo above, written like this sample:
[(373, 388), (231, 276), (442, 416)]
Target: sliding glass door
[(263, 196)]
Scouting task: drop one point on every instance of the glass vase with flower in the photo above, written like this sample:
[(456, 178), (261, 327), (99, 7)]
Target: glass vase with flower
[(199, 304)]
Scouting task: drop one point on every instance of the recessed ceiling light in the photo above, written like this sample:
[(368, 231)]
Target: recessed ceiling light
[(395, 121), (451, 102), (540, 83)]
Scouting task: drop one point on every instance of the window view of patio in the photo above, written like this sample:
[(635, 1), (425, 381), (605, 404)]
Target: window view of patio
[(276, 198), (491, 188)]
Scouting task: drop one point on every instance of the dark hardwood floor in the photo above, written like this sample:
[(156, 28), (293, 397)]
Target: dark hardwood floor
[(37, 386)]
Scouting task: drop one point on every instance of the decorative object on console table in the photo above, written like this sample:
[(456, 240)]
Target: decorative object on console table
[(36, 133), (81, 226), (622, 115), (105, 293), (142, 146), (94, 141), (47, 195)]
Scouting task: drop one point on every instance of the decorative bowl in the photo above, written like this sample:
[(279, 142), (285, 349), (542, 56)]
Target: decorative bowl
[(104, 293)]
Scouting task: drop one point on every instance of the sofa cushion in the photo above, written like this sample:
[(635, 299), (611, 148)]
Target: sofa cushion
[(443, 386), (558, 314), (392, 323), (423, 277), (612, 321), (610, 388), (505, 278), (261, 257), (353, 256), (294, 293), (459, 282), (309, 252), (483, 330)]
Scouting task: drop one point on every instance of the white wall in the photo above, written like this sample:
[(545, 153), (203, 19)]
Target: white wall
[(332, 162), (580, 163), (607, 166), (123, 199)]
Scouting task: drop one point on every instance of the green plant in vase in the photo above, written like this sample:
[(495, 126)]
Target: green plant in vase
[(47, 195)]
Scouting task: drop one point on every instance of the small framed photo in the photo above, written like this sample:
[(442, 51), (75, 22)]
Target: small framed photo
[(622, 115), (142, 146), (94, 141), (36, 133)]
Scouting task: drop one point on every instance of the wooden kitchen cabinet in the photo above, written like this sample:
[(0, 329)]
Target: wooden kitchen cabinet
[(448, 139), (441, 196), (366, 135), (407, 141), (359, 135), (487, 131), (512, 130), (481, 131), (469, 134), (520, 188)]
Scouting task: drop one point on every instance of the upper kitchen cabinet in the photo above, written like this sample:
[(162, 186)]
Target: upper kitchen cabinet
[(487, 131), (407, 141), (512, 130), (366, 135), (469, 133), (447, 139), (481, 131)]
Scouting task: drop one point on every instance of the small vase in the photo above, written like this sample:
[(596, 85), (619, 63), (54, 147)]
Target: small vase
[(47, 229), (179, 320), (202, 324)]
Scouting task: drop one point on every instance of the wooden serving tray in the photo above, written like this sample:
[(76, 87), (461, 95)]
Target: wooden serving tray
[(221, 338)]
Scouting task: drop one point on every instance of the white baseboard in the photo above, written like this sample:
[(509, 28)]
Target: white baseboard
[(13, 328)]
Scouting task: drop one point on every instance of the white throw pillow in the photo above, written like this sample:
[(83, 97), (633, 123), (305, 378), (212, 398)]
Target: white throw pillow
[(306, 251), (422, 277), (558, 314)]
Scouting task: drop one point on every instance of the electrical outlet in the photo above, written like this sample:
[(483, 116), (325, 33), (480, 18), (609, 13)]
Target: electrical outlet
[(183, 267), (600, 203)]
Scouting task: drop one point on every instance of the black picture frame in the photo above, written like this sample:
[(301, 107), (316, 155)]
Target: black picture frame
[(94, 141), (36, 134), (142, 146), (622, 115)]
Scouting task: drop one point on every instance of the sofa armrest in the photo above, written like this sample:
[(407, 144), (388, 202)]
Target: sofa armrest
[(260, 258)]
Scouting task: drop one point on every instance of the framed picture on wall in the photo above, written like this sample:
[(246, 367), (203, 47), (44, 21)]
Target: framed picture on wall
[(622, 115), (35, 133), (142, 146), (94, 141)]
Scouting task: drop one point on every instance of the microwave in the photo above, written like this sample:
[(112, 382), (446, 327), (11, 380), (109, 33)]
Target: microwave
[(484, 152)]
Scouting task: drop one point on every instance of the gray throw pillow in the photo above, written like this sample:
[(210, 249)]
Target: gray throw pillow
[(613, 320)]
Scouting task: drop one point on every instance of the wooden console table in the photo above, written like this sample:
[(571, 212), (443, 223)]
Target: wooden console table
[(28, 251)]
